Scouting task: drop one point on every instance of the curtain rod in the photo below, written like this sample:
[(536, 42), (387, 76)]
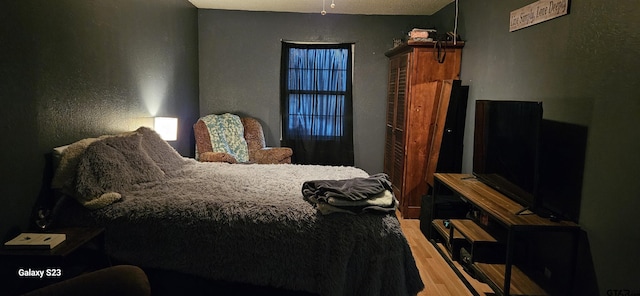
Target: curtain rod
[(314, 42)]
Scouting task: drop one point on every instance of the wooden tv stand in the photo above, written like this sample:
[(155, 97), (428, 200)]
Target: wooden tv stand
[(485, 242)]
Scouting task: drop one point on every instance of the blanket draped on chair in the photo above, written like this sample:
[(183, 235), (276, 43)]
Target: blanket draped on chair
[(227, 135)]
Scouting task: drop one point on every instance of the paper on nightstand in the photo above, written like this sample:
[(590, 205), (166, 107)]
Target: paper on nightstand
[(42, 241)]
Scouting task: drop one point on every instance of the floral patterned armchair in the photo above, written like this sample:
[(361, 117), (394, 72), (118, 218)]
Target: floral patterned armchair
[(208, 134)]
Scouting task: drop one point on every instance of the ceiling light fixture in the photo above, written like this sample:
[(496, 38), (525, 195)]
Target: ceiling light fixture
[(324, 11)]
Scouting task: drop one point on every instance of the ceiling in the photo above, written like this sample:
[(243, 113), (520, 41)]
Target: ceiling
[(367, 7)]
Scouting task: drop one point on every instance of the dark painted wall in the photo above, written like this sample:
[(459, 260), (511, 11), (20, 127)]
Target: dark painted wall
[(72, 69), (240, 67), (583, 67)]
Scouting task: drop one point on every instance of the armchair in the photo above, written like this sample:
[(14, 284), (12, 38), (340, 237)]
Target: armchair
[(254, 136)]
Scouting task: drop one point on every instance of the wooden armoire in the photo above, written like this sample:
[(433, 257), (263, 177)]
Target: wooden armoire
[(417, 75)]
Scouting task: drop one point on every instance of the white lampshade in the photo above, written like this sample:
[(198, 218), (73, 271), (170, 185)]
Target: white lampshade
[(166, 127)]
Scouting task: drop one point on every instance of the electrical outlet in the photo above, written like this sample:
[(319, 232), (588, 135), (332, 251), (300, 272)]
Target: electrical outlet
[(547, 273)]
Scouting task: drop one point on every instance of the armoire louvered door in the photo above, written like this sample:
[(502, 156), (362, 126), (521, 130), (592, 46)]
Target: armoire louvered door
[(394, 144)]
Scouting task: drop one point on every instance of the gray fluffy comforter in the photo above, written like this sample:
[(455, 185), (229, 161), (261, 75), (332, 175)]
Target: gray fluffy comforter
[(250, 224)]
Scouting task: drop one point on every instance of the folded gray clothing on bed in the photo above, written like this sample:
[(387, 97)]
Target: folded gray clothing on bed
[(382, 199), (354, 195), (349, 189), (356, 207)]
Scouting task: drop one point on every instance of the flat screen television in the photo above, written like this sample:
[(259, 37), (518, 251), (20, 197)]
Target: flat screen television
[(536, 162), (506, 152)]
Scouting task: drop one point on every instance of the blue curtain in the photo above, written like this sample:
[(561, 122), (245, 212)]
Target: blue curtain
[(316, 103)]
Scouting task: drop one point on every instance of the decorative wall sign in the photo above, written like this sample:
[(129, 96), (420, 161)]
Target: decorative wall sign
[(536, 13)]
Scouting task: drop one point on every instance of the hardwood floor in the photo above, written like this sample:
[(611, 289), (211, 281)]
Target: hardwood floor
[(439, 279)]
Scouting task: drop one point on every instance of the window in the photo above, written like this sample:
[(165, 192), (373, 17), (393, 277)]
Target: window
[(316, 101)]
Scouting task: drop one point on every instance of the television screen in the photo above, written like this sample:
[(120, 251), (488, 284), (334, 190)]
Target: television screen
[(506, 148)]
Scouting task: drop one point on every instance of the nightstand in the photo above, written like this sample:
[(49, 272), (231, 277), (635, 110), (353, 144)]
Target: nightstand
[(82, 251)]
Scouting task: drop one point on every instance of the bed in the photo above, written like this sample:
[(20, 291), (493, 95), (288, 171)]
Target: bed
[(244, 223)]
